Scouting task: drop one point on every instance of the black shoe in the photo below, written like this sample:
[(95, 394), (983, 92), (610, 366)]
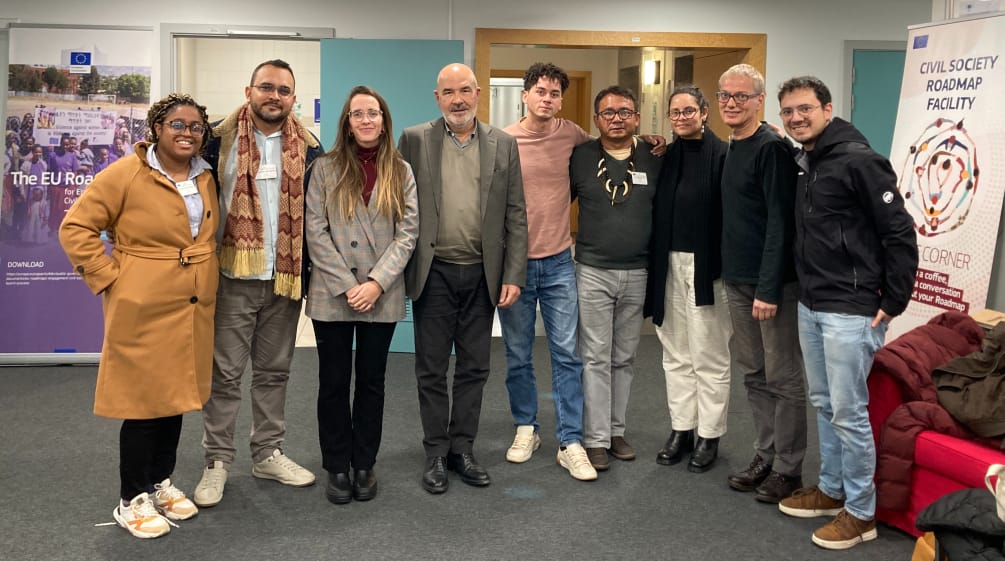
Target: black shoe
[(434, 479), (706, 450), (680, 442), (339, 489), (748, 479), (364, 484), (469, 469), (777, 487)]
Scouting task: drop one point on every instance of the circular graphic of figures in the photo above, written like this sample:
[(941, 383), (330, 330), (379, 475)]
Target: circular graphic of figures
[(940, 176)]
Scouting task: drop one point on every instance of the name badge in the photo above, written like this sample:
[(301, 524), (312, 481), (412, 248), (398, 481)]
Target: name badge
[(267, 171), (187, 188), (639, 178)]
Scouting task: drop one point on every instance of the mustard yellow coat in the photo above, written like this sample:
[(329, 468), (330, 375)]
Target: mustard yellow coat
[(158, 287)]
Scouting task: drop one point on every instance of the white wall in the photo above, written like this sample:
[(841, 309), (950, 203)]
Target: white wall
[(803, 36)]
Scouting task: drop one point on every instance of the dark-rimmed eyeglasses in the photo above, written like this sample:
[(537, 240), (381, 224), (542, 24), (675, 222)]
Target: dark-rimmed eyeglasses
[(608, 114), (179, 126), (267, 88), (685, 113)]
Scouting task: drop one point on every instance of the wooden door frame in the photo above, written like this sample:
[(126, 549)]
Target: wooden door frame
[(755, 46), (585, 76)]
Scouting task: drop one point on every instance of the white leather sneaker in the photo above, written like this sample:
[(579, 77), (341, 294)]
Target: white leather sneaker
[(574, 459), (279, 467), (209, 491), (524, 444)]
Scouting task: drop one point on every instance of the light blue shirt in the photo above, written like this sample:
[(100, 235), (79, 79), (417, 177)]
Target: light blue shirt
[(193, 202), (270, 147)]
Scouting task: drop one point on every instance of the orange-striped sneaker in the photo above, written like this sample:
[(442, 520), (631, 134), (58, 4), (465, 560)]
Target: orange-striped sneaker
[(172, 503), (140, 518)]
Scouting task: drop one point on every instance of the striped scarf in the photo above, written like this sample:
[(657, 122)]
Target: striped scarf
[(242, 252)]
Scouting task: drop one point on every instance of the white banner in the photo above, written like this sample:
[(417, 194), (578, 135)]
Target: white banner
[(947, 150)]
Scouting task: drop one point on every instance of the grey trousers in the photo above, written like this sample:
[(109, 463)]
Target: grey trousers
[(610, 321), (251, 322), (766, 354)]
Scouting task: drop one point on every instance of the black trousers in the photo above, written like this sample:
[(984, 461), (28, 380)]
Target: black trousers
[(148, 450), (351, 437), (454, 311)]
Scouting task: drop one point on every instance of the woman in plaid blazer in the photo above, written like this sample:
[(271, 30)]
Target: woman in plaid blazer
[(362, 222)]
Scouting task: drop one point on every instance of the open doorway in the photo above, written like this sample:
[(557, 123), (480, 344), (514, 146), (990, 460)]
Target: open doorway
[(709, 55)]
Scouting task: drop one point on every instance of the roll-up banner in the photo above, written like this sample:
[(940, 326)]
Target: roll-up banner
[(77, 101), (948, 152)]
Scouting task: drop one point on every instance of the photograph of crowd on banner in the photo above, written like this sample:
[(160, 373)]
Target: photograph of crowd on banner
[(62, 129)]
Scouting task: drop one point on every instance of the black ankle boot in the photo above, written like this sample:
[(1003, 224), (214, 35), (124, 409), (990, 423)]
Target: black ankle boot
[(680, 442), (706, 450)]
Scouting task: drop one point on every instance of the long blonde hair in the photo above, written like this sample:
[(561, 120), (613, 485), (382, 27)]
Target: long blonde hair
[(347, 192)]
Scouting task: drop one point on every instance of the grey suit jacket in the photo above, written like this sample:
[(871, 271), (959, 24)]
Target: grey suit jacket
[(348, 252), (504, 214)]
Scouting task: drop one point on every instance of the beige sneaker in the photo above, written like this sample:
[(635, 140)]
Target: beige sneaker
[(172, 503), (140, 518), (810, 502), (844, 531), (209, 491), (279, 467), (524, 444), (574, 459)]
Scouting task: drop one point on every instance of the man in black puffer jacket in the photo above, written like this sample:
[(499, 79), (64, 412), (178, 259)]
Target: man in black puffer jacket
[(856, 258)]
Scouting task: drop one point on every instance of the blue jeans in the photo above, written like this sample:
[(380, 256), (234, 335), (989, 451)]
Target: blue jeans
[(838, 350), (552, 282)]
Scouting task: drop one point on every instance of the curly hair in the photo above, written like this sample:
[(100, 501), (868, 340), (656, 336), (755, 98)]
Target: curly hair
[(159, 111)]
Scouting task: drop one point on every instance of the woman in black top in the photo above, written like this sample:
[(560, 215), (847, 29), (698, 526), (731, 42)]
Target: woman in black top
[(685, 296)]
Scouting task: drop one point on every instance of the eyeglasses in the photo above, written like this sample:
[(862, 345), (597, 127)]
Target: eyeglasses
[(740, 97), (608, 114), (803, 110), (267, 88), (197, 129), (685, 113), (371, 114)]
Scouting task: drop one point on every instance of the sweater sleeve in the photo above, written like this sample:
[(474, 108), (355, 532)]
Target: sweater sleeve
[(778, 182)]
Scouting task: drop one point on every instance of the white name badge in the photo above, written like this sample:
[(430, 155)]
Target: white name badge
[(187, 188), (267, 171), (639, 178)]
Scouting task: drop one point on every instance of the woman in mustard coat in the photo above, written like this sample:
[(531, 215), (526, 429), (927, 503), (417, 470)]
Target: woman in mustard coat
[(159, 208)]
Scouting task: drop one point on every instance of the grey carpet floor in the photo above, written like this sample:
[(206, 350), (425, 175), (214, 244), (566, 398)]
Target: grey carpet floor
[(58, 479)]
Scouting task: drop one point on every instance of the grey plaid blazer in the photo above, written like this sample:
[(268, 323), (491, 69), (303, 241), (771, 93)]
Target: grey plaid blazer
[(348, 252)]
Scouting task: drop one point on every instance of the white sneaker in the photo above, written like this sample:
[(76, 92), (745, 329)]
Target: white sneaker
[(172, 503), (209, 491), (524, 444), (281, 468), (140, 518), (574, 459)]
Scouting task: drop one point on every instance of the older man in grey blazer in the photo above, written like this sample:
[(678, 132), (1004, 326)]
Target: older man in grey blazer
[(471, 256)]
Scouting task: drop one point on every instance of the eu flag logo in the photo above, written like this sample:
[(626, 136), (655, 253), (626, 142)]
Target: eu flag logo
[(80, 58), (921, 41)]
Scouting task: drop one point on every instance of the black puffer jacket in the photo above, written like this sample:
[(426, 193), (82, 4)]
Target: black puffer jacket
[(856, 250), (966, 525)]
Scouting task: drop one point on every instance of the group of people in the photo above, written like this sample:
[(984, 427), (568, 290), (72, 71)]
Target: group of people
[(464, 219)]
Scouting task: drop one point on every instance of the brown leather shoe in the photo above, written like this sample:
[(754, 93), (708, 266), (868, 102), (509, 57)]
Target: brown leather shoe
[(598, 458), (621, 449), (844, 531), (748, 479)]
